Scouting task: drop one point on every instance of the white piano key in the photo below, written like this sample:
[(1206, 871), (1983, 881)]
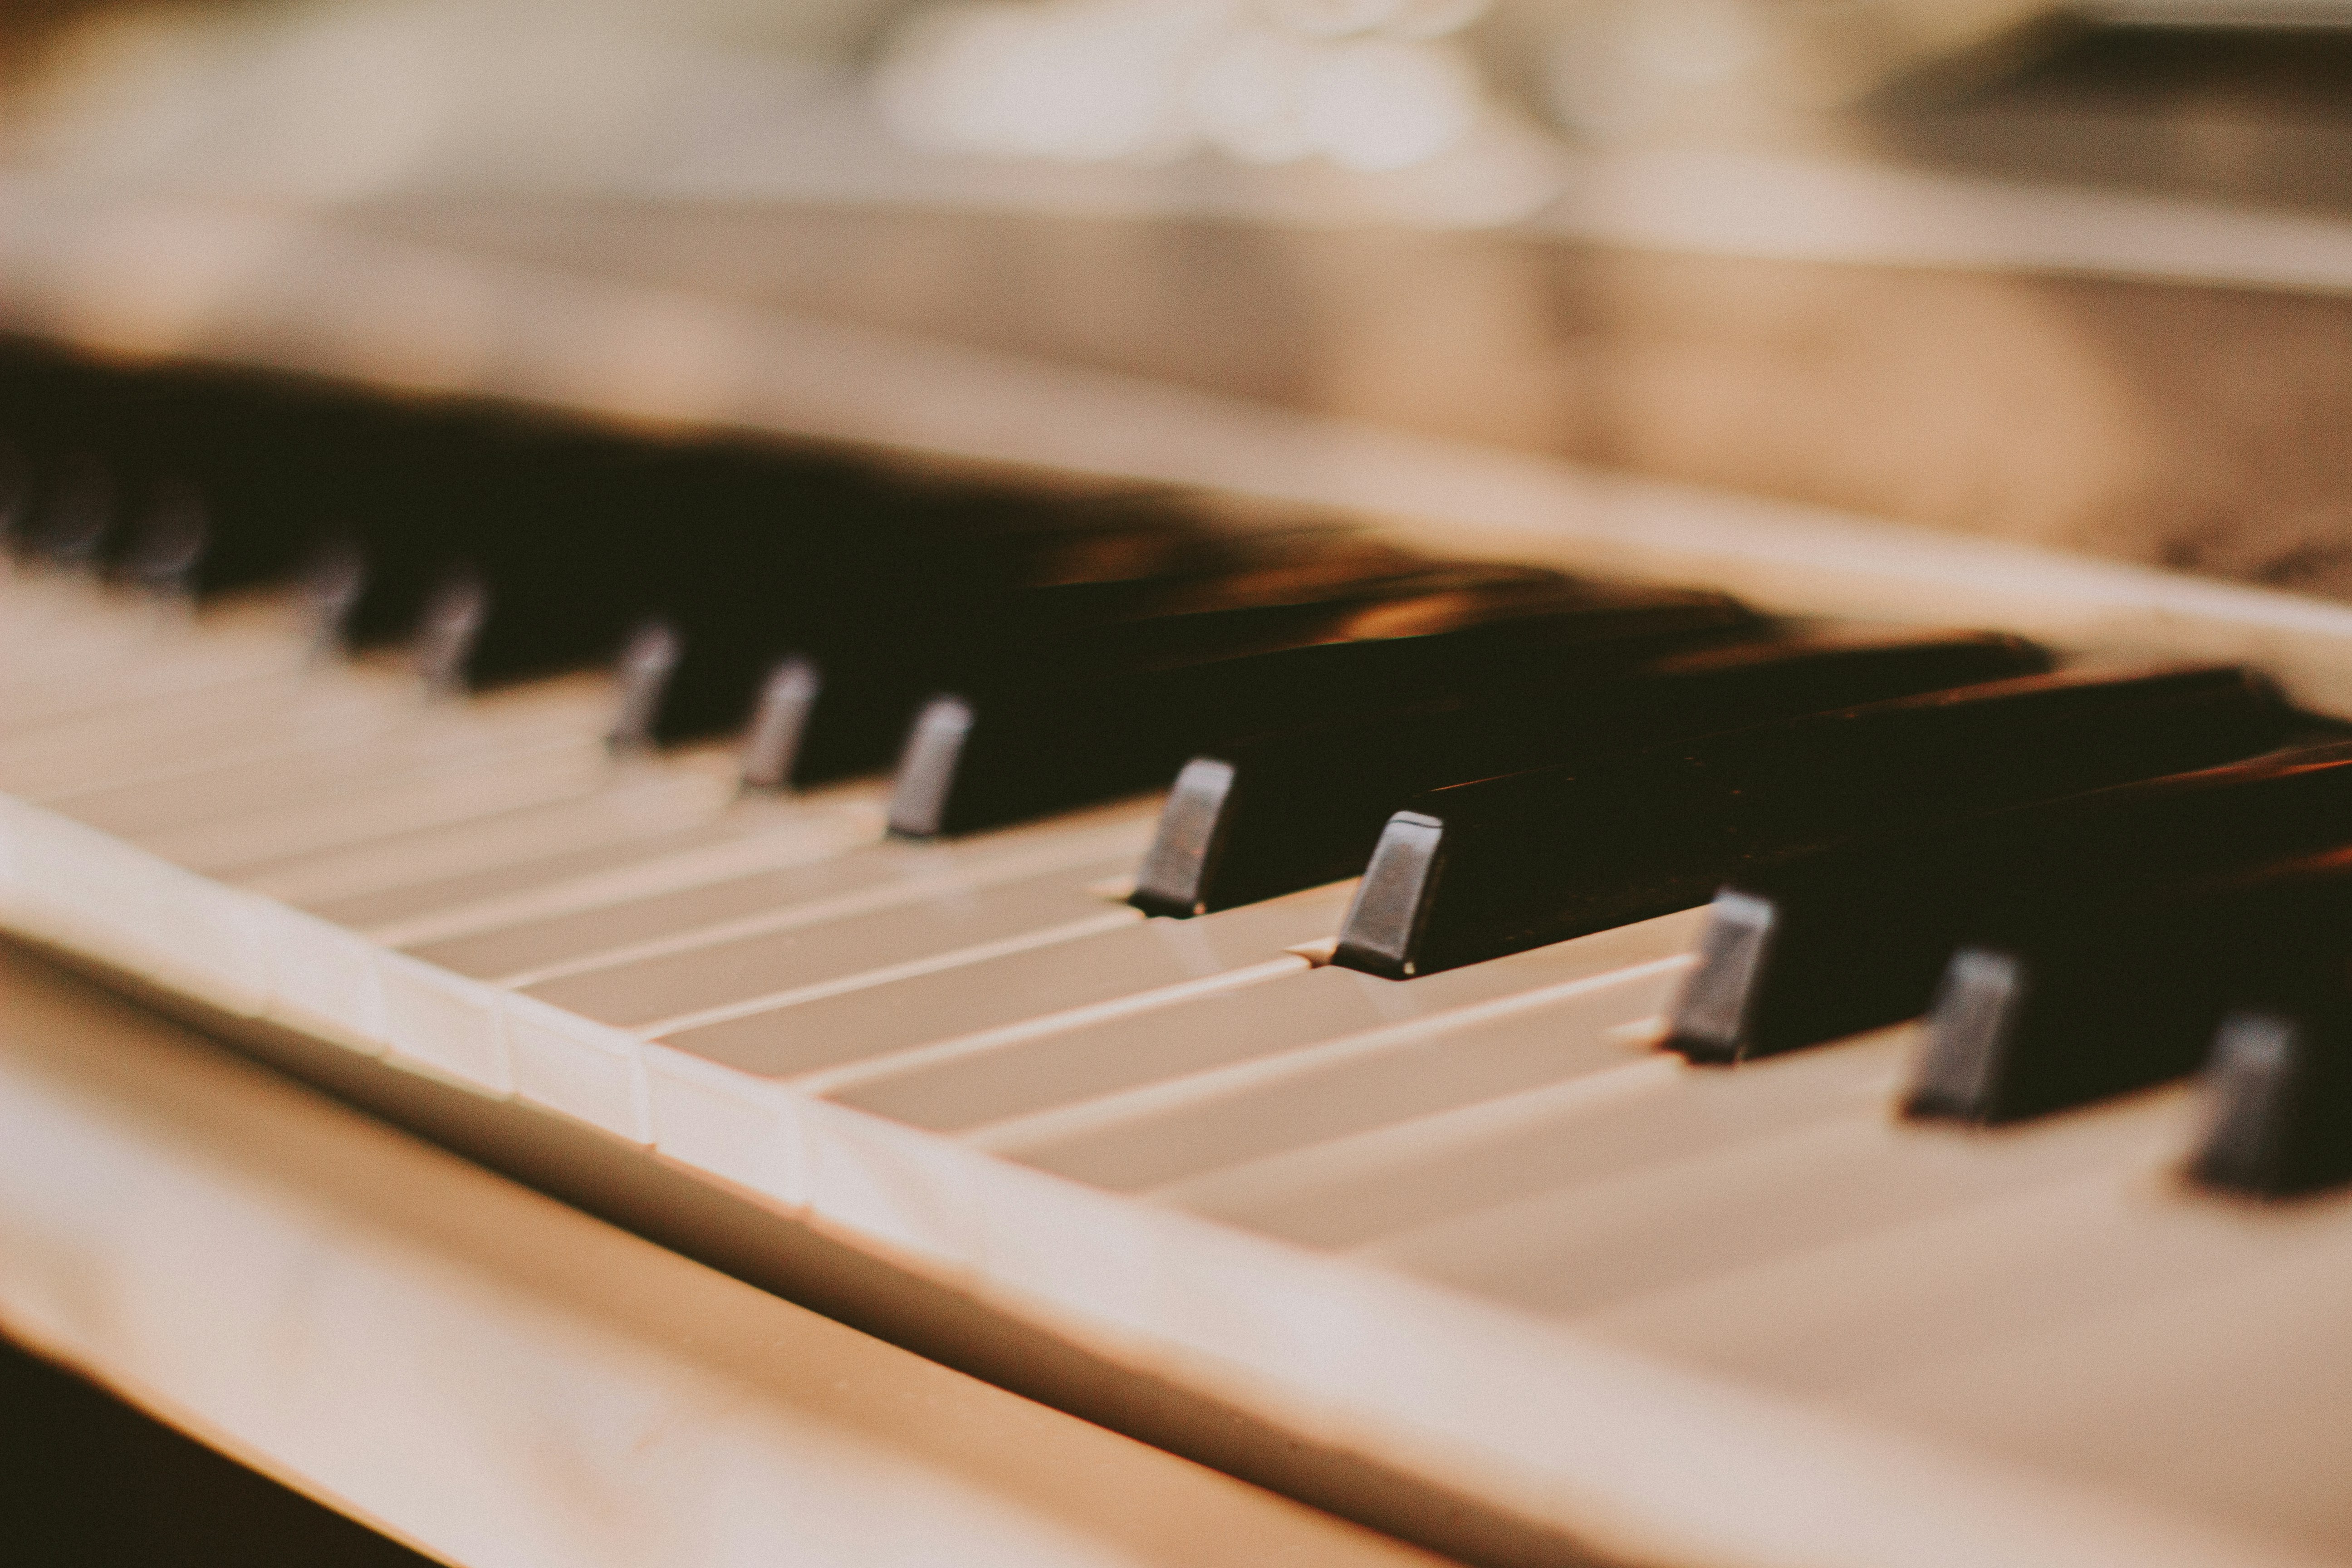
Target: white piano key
[(562, 1062), (2227, 1399), (417, 736), (641, 797), (242, 844), (1452, 1164), (444, 1024), (274, 716), (727, 902), (976, 1011), (1084, 1059), (149, 675), (747, 836), (82, 890), (835, 944), (324, 982), (1655, 1224), (1158, 1132), (738, 1128), (1890, 1302)]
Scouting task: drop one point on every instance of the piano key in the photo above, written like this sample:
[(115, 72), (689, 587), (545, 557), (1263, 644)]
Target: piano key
[(832, 944), (1273, 813), (402, 897), (865, 661), (329, 767), (484, 857), (1119, 973), (1056, 734), (2225, 1398), (1780, 1186), (733, 892), (1307, 1016), (249, 720), (147, 669), (2280, 1080), (2082, 999), (1854, 938), (1886, 1301), (1252, 1105), (1481, 870)]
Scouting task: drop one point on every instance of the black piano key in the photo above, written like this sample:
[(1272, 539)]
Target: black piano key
[(893, 621), (1277, 812), (2279, 1089), (1051, 735), (1854, 938), (2081, 1000), (165, 539), (1478, 871)]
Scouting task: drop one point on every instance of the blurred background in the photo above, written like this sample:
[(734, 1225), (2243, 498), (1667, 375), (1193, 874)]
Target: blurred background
[(2075, 273)]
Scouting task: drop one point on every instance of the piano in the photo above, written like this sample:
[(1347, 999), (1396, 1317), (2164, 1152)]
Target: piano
[(1555, 1018)]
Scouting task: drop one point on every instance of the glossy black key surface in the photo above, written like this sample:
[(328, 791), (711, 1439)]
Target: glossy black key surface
[(1277, 811), (1478, 871), (1854, 938), (2083, 999), (890, 633), (2279, 1091), (1101, 716)]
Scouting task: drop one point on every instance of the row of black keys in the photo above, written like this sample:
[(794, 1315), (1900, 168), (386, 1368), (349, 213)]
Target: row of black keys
[(1511, 756)]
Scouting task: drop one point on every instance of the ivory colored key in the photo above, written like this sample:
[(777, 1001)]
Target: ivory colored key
[(2226, 1398), (430, 747), (657, 993), (231, 846), (363, 888), (1884, 1302), (654, 806), (968, 1013), (268, 717), (1252, 1106), (725, 895), (1738, 1190), (1085, 1059)]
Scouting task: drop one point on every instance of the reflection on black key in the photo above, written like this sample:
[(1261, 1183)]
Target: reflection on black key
[(2083, 999), (895, 637), (1054, 733), (2279, 1086), (1276, 812), (1854, 938), (1479, 870)]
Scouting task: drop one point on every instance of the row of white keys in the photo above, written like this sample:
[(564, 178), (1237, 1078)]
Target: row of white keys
[(735, 896), (152, 660), (989, 1008), (1301, 1060)]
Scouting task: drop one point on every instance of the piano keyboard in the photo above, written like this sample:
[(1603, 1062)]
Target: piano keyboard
[(1521, 1197)]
